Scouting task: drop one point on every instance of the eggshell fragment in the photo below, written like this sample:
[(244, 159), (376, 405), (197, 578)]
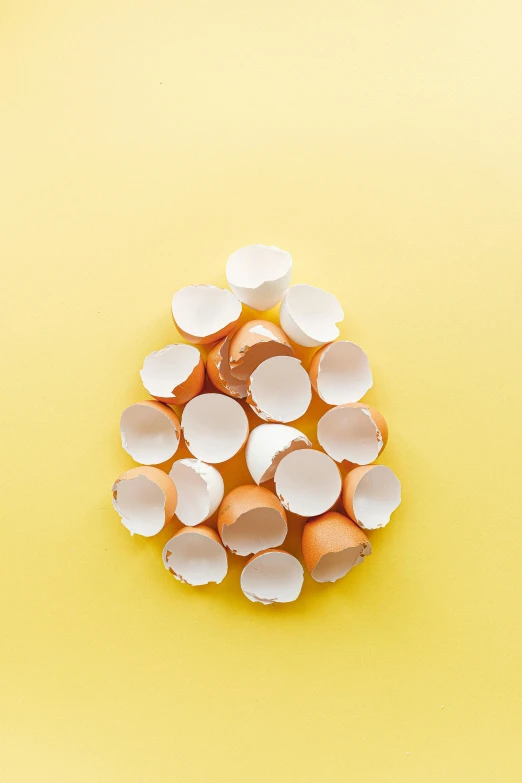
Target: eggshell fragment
[(150, 432), (145, 498), (272, 577), (307, 482), (251, 519), (196, 556), (174, 374), (219, 372), (205, 313), (370, 495), (332, 546), (200, 490), (309, 315), (259, 275), (354, 432), (215, 427), (279, 390), (267, 445), (254, 342), (340, 372)]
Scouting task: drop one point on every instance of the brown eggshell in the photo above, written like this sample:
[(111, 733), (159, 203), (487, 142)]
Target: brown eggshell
[(211, 338), (378, 419), (202, 529), (251, 498), (156, 476), (262, 346), (217, 372), (331, 532), (188, 389)]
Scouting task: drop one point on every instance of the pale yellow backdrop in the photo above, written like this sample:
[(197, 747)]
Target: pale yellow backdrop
[(380, 143)]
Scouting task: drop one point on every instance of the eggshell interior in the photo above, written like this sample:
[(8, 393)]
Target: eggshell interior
[(370, 495), (279, 389), (251, 519), (219, 372), (272, 577), (150, 432), (204, 313), (200, 490), (332, 545), (350, 432), (307, 482), (309, 315), (145, 499), (253, 343), (259, 275), (267, 445), (340, 372), (215, 427), (196, 556), (174, 374)]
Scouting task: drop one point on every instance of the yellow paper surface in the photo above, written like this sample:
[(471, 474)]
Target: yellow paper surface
[(140, 144)]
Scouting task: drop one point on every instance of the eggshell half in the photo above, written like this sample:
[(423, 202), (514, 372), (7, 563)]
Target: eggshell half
[(332, 546), (309, 315), (250, 520), (215, 427), (174, 374), (200, 490), (145, 498), (267, 445), (370, 495), (219, 372), (307, 482), (354, 432), (279, 390), (259, 275), (196, 556), (150, 432), (272, 577), (254, 342), (340, 372), (205, 313)]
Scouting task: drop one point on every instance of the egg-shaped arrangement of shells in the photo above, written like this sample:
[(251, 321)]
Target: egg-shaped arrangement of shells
[(333, 488)]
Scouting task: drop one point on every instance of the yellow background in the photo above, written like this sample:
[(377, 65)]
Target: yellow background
[(141, 143)]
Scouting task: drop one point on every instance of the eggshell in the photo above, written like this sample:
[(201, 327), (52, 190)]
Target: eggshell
[(370, 495), (205, 313), (307, 482), (196, 556), (332, 546), (309, 315), (259, 275), (272, 577), (251, 519), (354, 432), (145, 498), (267, 445), (220, 374), (279, 390), (215, 427), (200, 490), (340, 373), (174, 374), (254, 342), (150, 432)]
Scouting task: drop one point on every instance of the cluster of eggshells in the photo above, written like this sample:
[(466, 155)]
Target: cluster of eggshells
[(255, 363)]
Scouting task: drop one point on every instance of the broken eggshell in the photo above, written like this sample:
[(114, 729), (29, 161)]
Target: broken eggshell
[(250, 520), (215, 427), (307, 482), (267, 445), (253, 343), (354, 432), (279, 390), (150, 432), (145, 498), (200, 490), (196, 556), (259, 275), (370, 495), (272, 577), (205, 313), (340, 372), (309, 315), (332, 545), (174, 374), (219, 372)]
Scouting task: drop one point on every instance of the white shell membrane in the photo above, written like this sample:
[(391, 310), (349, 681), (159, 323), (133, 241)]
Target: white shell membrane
[(280, 389), (215, 427), (203, 310), (255, 530), (349, 434), (344, 373), (259, 275), (141, 504), (335, 565), (309, 315), (267, 445), (272, 577), (307, 482), (200, 490), (148, 435), (376, 497), (169, 367), (195, 558)]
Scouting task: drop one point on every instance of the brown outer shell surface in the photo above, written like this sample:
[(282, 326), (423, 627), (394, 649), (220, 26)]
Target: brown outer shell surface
[(330, 532), (246, 498), (163, 408), (313, 371), (188, 389), (210, 338), (214, 360), (201, 530), (377, 418), (350, 483), (158, 477), (244, 339)]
